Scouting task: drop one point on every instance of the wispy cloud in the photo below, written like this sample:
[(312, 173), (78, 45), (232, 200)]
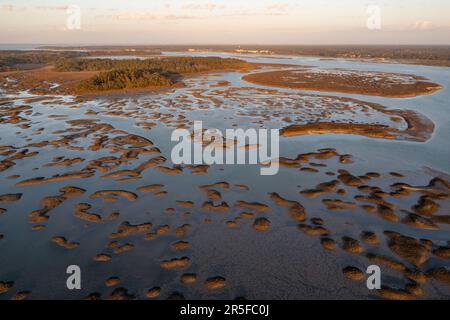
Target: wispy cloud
[(52, 8), (424, 25), (7, 7), (14, 8), (201, 11), (281, 6), (208, 6), (146, 16)]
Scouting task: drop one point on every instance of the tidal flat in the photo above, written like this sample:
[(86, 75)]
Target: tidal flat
[(364, 179)]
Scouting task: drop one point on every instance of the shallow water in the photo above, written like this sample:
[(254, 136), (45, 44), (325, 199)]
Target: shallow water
[(280, 263)]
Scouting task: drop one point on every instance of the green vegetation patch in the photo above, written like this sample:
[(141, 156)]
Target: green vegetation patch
[(124, 79), (15, 60), (178, 65), (135, 73)]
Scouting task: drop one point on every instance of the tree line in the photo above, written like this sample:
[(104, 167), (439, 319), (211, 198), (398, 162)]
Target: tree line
[(124, 79), (119, 74), (178, 65), (136, 73), (14, 60)]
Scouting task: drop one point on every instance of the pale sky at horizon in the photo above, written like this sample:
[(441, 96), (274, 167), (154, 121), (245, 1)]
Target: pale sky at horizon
[(225, 22)]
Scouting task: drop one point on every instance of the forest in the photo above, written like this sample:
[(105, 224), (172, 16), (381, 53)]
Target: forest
[(180, 65), (136, 73), (116, 74), (18, 60), (129, 78)]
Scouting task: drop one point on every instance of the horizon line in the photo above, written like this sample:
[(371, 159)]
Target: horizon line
[(222, 44)]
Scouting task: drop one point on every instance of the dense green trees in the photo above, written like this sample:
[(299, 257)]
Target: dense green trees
[(170, 64), (119, 74), (156, 72), (13, 60), (124, 79)]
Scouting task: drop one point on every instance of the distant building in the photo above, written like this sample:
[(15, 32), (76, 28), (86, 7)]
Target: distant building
[(253, 51)]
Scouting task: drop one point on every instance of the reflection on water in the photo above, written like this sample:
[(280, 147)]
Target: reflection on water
[(282, 262)]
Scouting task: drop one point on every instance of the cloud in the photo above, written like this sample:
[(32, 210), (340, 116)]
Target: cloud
[(12, 8), (278, 6), (7, 7), (146, 16), (423, 25), (208, 6), (200, 11), (52, 8)]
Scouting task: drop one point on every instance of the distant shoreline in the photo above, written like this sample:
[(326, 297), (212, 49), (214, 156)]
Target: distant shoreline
[(433, 55)]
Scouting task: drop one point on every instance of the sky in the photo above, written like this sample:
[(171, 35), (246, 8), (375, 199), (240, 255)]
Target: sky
[(153, 22)]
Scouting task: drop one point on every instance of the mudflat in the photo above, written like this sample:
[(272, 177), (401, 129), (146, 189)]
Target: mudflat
[(362, 181), (348, 81)]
